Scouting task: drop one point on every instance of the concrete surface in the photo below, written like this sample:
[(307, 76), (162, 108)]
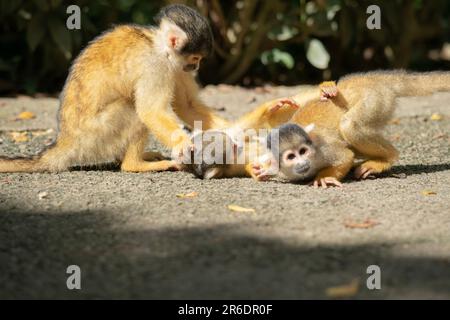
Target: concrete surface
[(133, 238)]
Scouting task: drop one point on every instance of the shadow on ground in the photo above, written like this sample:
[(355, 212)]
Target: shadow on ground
[(218, 262)]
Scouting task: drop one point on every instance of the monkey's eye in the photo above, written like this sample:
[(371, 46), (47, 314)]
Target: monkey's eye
[(291, 156), (195, 59), (302, 151)]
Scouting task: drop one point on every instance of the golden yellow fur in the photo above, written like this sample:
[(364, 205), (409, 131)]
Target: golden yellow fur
[(348, 122), (122, 87), (356, 115)]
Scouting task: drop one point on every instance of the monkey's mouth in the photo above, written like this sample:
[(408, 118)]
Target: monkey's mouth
[(301, 168)]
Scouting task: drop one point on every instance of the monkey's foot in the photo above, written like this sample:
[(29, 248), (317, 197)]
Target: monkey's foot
[(370, 168), (328, 90), (144, 166), (283, 102), (325, 182)]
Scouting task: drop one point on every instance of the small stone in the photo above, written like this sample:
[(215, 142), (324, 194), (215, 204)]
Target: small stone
[(42, 195), (399, 175)]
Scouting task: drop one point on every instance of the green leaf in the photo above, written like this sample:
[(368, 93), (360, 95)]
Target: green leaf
[(62, 37), (35, 31), (278, 57), (317, 54)]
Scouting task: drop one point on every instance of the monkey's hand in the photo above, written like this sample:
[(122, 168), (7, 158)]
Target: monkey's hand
[(282, 103), (261, 170), (325, 182), (328, 90), (328, 177), (259, 173)]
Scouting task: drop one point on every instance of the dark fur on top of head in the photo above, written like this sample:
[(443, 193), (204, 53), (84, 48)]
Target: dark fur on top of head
[(207, 168), (290, 135), (195, 26)]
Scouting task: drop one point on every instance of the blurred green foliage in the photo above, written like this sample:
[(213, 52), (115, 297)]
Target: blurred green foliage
[(256, 41)]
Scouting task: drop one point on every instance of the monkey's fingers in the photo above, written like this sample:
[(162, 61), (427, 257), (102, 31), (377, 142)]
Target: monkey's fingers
[(362, 173), (325, 182), (328, 90), (284, 102), (333, 182), (260, 174)]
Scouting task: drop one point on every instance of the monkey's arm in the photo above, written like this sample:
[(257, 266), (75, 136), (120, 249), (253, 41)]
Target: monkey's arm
[(198, 111), (189, 107), (268, 115), (276, 112), (154, 110)]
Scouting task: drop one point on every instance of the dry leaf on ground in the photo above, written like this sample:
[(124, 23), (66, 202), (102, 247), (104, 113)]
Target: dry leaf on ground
[(439, 136), (428, 193), (436, 117), (18, 136), (187, 195), (345, 291), (38, 133), (236, 208), (366, 224), (26, 115)]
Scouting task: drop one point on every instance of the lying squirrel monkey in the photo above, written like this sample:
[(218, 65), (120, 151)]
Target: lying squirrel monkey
[(127, 83), (348, 119), (234, 159)]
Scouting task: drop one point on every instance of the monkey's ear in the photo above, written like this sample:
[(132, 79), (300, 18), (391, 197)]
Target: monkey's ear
[(211, 173), (310, 127), (174, 36)]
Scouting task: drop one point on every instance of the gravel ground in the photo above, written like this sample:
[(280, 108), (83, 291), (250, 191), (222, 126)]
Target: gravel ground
[(133, 238)]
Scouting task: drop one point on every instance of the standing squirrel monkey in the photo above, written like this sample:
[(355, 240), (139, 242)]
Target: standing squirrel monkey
[(127, 83)]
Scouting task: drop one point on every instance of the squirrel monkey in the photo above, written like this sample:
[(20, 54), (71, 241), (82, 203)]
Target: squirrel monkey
[(349, 118), (127, 83)]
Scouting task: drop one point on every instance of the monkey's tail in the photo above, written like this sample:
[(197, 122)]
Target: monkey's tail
[(422, 84), (53, 160), (19, 165)]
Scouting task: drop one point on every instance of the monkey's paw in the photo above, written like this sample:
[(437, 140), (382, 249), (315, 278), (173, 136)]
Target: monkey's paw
[(370, 168), (328, 90), (324, 182), (259, 173), (283, 102)]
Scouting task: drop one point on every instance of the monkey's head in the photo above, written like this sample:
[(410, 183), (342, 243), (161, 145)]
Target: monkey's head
[(186, 35), (297, 155), (213, 152)]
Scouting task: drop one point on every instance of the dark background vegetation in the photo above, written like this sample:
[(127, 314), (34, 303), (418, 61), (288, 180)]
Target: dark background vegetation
[(257, 41)]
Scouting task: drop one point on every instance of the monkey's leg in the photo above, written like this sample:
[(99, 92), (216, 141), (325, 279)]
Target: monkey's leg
[(133, 160), (369, 142), (152, 156)]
